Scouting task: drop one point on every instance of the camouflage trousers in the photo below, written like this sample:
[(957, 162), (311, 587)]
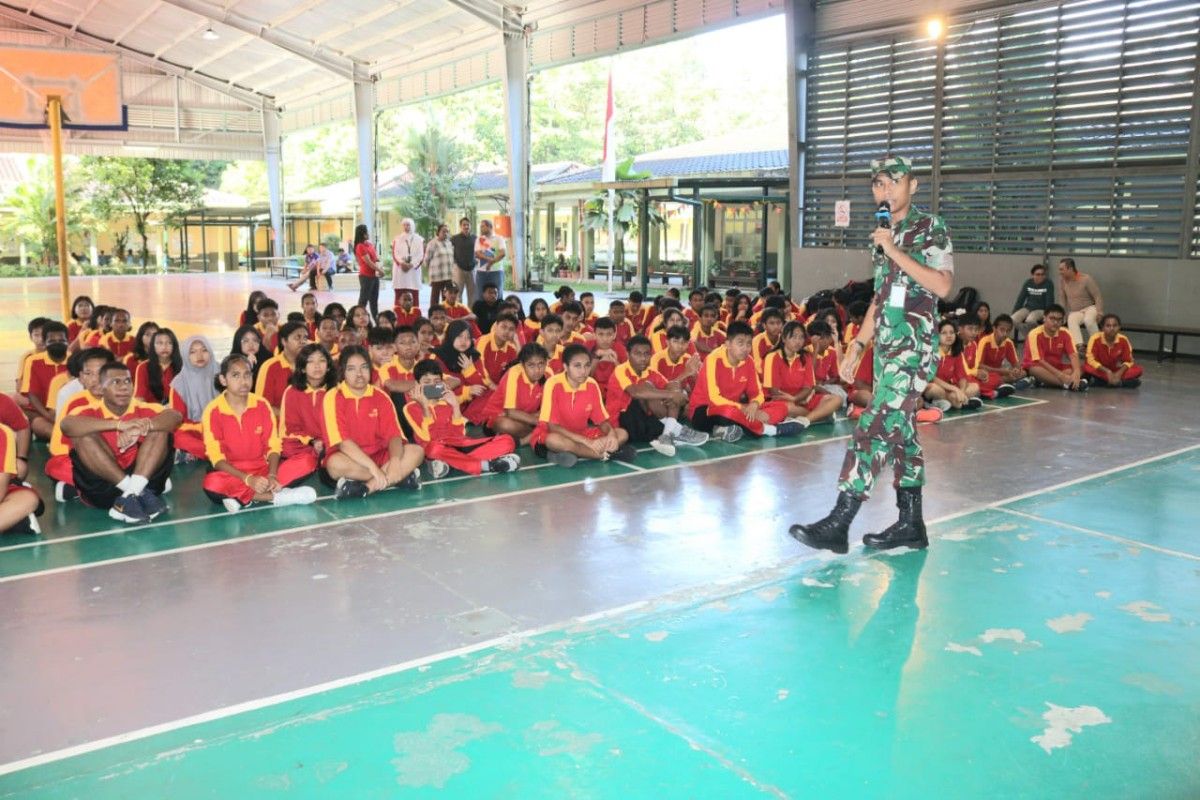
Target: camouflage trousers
[(886, 431)]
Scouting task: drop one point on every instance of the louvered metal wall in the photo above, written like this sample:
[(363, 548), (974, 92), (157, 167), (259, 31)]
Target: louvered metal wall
[(1064, 128)]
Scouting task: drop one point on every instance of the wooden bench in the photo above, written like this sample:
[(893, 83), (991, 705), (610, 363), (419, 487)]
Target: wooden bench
[(1163, 331), (600, 272), (287, 266)]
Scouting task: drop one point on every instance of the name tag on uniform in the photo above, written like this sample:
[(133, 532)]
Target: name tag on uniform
[(896, 298)]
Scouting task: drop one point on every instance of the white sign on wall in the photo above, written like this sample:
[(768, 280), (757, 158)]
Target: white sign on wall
[(841, 214)]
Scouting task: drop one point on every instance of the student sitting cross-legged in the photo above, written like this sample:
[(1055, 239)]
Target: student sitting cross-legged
[(951, 387), (647, 404), (1050, 355), (365, 450), (574, 422), (300, 416), (243, 445), (20, 505), (788, 376), (439, 427), (514, 407), (121, 454), (728, 400), (1110, 357), (191, 391)]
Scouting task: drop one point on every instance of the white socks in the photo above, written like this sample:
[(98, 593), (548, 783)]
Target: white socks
[(132, 485), (768, 430), (671, 426)]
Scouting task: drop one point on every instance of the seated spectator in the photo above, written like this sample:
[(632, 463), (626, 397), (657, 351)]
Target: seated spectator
[(788, 376), (514, 407), (647, 404), (20, 505), (191, 391), (1083, 302), (86, 364), (486, 309), (1110, 357), (997, 354), (440, 429), (708, 333), (365, 450), (121, 454), (38, 374), (574, 422), (241, 441), (1050, 355), (950, 387), (728, 400), (1036, 295)]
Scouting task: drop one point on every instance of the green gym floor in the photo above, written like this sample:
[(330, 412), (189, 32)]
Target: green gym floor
[(645, 630)]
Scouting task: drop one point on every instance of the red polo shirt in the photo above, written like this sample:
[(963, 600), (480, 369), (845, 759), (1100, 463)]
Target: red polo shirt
[(37, 375), (243, 440), (721, 384), (790, 377), (572, 407), (273, 379), (495, 358), (369, 421), (617, 397), (1040, 347), (137, 410)]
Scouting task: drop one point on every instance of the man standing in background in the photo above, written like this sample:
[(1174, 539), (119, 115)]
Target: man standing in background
[(489, 256), (464, 260), (408, 249)]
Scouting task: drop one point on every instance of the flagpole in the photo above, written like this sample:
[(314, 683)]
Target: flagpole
[(608, 172)]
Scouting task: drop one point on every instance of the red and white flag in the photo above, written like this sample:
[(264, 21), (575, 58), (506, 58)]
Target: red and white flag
[(608, 170)]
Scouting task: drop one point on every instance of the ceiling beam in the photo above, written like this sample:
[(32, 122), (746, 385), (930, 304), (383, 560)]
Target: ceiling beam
[(249, 97), (323, 57), (493, 16), (138, 20)]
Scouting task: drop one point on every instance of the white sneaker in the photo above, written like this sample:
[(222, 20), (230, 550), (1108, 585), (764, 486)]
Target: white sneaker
[(166, 486), (437, 469), (941, 405), (231, 505), (34, 525), (664, 445), (299, 496)]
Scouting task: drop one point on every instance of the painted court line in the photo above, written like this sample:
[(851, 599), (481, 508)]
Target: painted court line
[(1110, 536), (990, 409), (726, 586)]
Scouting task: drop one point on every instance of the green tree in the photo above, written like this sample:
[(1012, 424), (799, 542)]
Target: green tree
[(439, 179), (625, 215), (246, 179), (28, 213), (142, 187)]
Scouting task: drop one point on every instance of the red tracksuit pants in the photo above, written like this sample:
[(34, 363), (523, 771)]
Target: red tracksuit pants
[(291, 470), (464, 454)]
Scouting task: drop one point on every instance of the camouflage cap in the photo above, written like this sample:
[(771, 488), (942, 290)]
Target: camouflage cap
[(894, 166)]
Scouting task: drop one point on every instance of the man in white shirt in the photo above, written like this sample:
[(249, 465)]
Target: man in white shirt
[(325, 266), (489, 259), (408, 250)]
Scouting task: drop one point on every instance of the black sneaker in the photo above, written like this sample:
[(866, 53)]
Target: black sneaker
[(973, 404), (786, 429), (1005, 389), (625, 452), (128, 508), (64, 492), (347, 489), (152, 504), (508, 463), (413, 481)]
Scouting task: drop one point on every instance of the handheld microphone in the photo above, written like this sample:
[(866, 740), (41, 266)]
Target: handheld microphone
[(883, 219)]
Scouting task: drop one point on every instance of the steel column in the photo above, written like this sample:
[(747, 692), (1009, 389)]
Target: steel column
[(273, 146), (516, 134)]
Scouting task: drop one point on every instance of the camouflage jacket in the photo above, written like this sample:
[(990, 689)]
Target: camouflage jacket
[(909, 321)]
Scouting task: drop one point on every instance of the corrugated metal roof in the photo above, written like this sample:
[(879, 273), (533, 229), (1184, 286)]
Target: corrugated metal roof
[(757, 163)]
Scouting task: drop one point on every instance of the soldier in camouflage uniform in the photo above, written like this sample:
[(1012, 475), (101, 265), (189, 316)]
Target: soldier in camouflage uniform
[(914, 265)]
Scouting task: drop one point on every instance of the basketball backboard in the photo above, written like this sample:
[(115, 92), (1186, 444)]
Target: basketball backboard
[(88, 84)]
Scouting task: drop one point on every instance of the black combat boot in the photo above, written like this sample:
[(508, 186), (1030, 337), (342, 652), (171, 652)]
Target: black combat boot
[(909, 530), (833, 532)]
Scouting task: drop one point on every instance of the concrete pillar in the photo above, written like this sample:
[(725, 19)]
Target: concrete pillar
[(364, 126), (516, 134), (798, 16), (273, 146)]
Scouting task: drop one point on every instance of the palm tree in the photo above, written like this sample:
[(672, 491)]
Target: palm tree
[(625, 215), (439, 178)]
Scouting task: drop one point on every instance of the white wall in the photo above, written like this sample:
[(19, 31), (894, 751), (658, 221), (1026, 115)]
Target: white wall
[(1145, 290)]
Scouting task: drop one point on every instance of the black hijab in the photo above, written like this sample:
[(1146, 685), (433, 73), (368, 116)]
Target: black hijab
[(446, 352)]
